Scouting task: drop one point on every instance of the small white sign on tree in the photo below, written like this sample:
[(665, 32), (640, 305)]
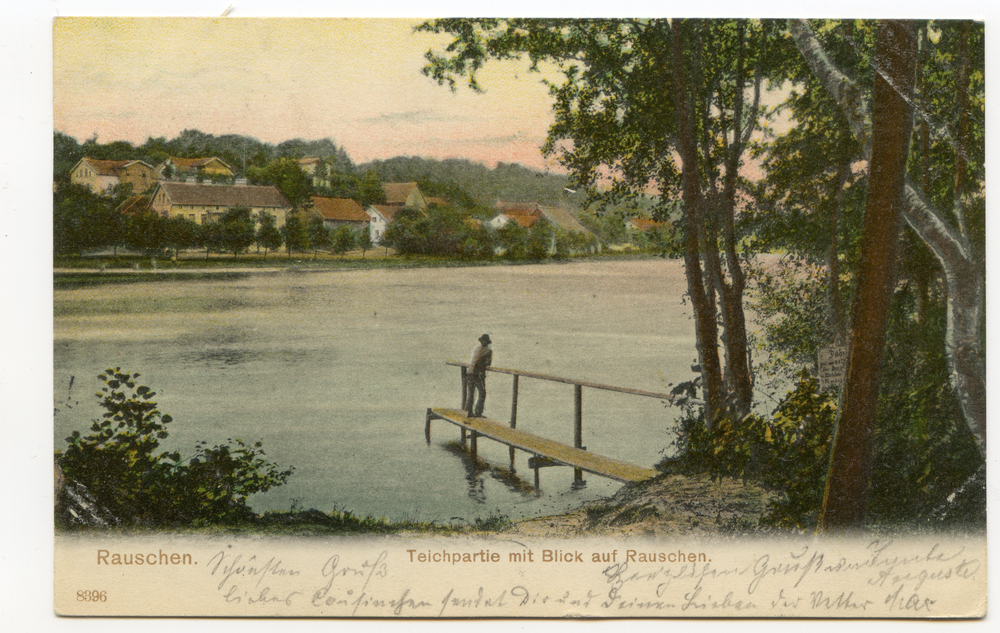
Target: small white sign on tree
[(832, 366)]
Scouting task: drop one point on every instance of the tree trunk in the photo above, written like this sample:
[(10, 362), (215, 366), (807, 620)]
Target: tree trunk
[(845, 498), (706, 330)]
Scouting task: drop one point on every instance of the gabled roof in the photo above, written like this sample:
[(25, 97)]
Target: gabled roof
[(398, 192), (224, 195), (524, 220), (387, 211), (563, 218), (135, 205), (109, 167), (341, 209), (194, 163)]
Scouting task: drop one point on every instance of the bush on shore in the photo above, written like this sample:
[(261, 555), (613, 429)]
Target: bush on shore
[(126, 478)]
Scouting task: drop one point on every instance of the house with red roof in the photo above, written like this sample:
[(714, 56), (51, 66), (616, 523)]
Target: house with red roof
[(527, 214), (405, 194), (643, 225), (340, 211), (100, 176)]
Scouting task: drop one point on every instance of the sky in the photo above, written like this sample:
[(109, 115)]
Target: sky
[(356, 81)]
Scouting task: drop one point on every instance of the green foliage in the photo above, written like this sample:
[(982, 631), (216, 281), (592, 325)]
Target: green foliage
[(268, 236), (295, 233), (236, 230), (146, 231), (343, 240), (180, 233), (438, 231), (369, 189), (319, 235), (363, 240), (539, 239), (285, 174), (84, 221), (928, 467), (792, 302), (120, 465), (787, 451)]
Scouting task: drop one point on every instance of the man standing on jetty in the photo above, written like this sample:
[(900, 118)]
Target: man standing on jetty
[(482, 357)]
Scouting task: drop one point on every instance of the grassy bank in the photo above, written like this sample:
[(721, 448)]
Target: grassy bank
[(314, 522)]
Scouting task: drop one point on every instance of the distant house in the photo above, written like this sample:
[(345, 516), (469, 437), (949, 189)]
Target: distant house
[(381, 215), (524, 220), (210, 168), (564, 219), (340, 211), (642, 225), (404, 194), (527, 214), (310, 165), (100, 176), (203, 203)]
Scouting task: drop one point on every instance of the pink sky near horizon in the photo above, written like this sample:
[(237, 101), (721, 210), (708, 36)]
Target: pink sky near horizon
[(355, 81)]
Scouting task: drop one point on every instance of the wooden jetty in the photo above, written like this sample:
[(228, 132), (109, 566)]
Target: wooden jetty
[(545, 452)]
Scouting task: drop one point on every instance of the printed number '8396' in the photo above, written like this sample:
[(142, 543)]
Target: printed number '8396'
[(86, 595)]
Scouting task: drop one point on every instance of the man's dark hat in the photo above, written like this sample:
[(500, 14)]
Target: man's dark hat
[(485, 339)]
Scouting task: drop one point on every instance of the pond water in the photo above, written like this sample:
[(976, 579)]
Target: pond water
[(334, 371)]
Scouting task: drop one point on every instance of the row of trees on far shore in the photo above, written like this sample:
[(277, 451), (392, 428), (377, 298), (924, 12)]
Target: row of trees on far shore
[(84, 222)]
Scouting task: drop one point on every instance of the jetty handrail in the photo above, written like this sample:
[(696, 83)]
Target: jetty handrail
[(568, 381)]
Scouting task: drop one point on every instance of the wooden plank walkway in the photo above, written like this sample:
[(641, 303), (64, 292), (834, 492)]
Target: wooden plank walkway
[(546, 448)]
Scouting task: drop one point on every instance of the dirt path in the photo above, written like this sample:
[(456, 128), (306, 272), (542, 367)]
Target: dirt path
[(674, 505)]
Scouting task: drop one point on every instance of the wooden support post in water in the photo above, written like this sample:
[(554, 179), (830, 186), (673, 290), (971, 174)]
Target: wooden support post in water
[(427, 428), (474, 444), (578, 429), (513, 421), (463, 437), (538, 485), (465, 392)]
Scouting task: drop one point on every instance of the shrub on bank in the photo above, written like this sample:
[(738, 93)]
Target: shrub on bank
[(120, 475), (937, 480)]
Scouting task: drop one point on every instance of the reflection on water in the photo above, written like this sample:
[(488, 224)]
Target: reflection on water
[(476, 471), (335, 370)]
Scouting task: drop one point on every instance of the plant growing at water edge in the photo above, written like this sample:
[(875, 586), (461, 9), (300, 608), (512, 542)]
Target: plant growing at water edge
[(119, 465)]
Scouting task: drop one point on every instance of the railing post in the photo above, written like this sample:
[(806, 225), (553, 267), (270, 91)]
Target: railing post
[(427, 429), (513, 421), (465, 390), (578, 428)]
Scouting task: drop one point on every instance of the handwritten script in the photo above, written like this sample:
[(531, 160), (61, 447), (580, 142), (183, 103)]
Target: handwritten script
[(878, 579)]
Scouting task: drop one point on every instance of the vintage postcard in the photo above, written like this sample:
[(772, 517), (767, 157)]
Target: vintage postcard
[(519, 318)]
